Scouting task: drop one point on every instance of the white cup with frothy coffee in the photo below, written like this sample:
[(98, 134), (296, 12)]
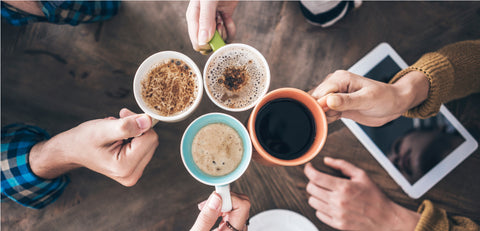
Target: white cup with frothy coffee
[(236, 77), (168, 86)]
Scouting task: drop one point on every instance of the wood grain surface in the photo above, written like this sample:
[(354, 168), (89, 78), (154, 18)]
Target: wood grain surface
[(57, 77)]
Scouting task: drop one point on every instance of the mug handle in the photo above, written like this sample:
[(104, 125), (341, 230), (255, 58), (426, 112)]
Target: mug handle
[(224, 192), (216, 41), (154, 122)]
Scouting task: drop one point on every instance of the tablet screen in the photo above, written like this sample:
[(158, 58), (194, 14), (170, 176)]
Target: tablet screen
[(414, 146)]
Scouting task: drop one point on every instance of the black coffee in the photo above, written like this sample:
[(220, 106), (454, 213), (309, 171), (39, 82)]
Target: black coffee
[(285, 128)]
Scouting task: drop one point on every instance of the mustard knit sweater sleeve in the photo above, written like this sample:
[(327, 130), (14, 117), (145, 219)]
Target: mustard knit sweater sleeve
[(453, 72), (436, 219)]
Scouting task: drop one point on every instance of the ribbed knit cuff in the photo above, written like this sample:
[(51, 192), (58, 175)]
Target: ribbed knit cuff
[(439, 72), (431, 218)]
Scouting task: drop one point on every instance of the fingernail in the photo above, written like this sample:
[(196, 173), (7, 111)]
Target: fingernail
[(143, 121), (214, 202), (327, 159), (334, 101), (202, 38)]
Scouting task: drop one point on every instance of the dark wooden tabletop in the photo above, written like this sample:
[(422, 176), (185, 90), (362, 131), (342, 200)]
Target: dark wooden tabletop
[(59, 76)]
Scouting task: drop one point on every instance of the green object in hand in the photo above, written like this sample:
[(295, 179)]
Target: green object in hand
[(216, 41)]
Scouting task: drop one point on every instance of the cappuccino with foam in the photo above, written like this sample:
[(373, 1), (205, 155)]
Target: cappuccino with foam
[(217, 149), (236, 77)]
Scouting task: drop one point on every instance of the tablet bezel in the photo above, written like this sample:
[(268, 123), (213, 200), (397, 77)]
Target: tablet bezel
[(452, 160)]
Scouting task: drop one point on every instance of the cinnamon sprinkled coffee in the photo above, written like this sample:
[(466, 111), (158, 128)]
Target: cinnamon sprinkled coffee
[(169, 88)]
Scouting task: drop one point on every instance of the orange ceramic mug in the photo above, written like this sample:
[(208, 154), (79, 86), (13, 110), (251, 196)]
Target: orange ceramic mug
[(319, 132)]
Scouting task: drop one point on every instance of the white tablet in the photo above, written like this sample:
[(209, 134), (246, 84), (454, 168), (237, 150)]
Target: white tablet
[(416, 153)]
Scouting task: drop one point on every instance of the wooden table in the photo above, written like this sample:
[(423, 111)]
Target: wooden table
[(59, 76)]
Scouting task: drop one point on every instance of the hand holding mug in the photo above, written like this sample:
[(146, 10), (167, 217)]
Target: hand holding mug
[(210, 210), (369, 102), (100, 146), (355, 203), (204, 17)]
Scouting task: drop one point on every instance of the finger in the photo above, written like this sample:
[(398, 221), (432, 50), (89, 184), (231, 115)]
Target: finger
[(347, 101), (318, 205), (136, 155), (345, 167), (241, 196), (333, 115), (240, 213), (222, 31), (321, 179), (205, 52), (110, 131), (192, 22), (325, 218), (220, 26), (150, 140), (370, 121), (125, 112), (230, 27), (323, 103), (209, 214), (206, 21), (325, 88), (318, 192)]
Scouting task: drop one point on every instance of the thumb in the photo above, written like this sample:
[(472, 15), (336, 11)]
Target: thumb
[(345, 101), (345, 167), (209, 214), (206, 21), (127, 127)]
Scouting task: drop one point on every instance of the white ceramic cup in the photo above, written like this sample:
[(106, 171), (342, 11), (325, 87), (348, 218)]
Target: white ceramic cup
[(150, 63), (258, 56)]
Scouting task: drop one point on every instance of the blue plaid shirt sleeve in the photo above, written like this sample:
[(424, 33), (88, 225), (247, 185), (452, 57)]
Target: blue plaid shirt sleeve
[(19, 183), (63, 12)]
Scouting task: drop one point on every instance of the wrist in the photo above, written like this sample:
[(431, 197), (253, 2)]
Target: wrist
[(48, 161), (404, 219), (411, 90)]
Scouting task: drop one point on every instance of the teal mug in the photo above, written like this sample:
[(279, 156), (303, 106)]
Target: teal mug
[(221, 183)]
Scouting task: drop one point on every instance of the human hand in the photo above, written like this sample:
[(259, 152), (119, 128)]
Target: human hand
[(203, 17), (100, 145), (211, 210), (369, 102), (31, 7), (355, 203)]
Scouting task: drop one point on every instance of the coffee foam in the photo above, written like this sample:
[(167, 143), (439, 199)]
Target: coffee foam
[(217, 149), (240, 58)]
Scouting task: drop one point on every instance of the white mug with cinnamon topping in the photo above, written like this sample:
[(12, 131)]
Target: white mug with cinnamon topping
[(236, 76), (168, 86)]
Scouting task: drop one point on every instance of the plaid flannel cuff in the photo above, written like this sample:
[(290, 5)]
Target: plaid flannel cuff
[(64, 12), (19, 183)]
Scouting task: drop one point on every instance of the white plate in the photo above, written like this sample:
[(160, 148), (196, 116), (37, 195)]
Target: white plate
[(280, 220)]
